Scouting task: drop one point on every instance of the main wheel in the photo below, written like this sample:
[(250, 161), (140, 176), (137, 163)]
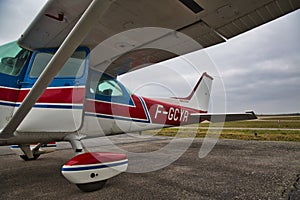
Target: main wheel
[(90, 187), (35, 156)]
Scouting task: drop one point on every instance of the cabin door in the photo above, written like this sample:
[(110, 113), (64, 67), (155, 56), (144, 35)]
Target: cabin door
[(13, 63), (108, 105), (60, 108)]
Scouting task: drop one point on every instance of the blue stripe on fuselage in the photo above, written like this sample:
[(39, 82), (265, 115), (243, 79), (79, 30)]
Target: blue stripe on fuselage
[(102, 166)]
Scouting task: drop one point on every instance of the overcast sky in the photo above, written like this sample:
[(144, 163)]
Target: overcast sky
[(260, 69)]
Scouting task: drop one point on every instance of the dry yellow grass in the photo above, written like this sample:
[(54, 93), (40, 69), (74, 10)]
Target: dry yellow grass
[(267, 135)]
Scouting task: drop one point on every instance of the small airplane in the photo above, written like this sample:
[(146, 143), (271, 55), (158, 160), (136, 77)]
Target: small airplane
[(58, 84)]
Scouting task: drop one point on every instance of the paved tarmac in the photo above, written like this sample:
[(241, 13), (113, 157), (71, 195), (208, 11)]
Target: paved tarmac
[(232, 170)]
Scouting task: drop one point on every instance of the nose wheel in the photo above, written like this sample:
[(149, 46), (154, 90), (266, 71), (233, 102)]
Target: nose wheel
[(90, 187), (90, 171)]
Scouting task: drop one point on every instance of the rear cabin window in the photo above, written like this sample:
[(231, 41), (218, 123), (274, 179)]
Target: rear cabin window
[(73, 68), (105, 86), (12, 58)]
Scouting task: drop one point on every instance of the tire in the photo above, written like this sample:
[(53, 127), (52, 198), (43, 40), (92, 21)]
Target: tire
[(90, 187), (25, 158)]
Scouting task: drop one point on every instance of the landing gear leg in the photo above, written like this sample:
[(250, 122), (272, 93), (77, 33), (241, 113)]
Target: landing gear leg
[(77, 146), (28, 153)]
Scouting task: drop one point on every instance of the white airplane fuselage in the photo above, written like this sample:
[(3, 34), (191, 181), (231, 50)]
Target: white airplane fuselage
[(83, 102)]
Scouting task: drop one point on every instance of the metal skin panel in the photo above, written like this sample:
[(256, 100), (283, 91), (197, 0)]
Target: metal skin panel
[(51, 120), (219, 20), (251, 14), (6, 110), (124, 15), (145, 114), (104, 117), (53, 29), (58, 105), (59, 110)]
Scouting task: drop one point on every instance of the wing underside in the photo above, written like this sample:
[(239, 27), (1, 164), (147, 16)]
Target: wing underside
[(206, 22)]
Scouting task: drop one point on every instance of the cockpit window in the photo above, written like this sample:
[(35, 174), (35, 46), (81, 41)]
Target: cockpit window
[(105, 86), (73, 68), (12, 58)]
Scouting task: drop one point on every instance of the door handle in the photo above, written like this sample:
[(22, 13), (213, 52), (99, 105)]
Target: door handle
[(76, 83), (22, 83)]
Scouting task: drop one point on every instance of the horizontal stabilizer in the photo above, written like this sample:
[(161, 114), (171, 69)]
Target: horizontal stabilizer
[(225, 117)]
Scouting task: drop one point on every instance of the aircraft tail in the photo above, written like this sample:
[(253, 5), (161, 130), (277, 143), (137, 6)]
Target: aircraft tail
[(199, 97)]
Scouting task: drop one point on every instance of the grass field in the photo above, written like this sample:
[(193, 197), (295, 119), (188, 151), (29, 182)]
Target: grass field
[(290, 124), (283, 128)]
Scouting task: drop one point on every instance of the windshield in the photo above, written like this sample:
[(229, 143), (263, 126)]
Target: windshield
[(12, 58), (74, 67)]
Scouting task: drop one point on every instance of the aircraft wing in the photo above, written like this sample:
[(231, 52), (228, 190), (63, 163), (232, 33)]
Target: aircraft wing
[(207, 22), (70, 23), (225, 117)]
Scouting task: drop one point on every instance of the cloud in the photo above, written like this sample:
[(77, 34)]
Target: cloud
[(262, 67), (15, 16)]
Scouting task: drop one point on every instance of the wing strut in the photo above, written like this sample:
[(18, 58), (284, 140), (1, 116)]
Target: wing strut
[(89, 19)]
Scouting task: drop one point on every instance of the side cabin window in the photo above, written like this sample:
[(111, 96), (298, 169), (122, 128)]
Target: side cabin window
[(12, 58), (106, 88), (73, 68)]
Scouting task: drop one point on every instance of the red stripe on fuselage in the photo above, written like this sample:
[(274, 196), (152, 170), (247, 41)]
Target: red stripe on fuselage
[(108, 108), (169, 114), (51, 95), (95, 158), (160, 112), (9, 94)]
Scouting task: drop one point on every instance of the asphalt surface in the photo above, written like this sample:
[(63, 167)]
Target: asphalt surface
[(232, 170)]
